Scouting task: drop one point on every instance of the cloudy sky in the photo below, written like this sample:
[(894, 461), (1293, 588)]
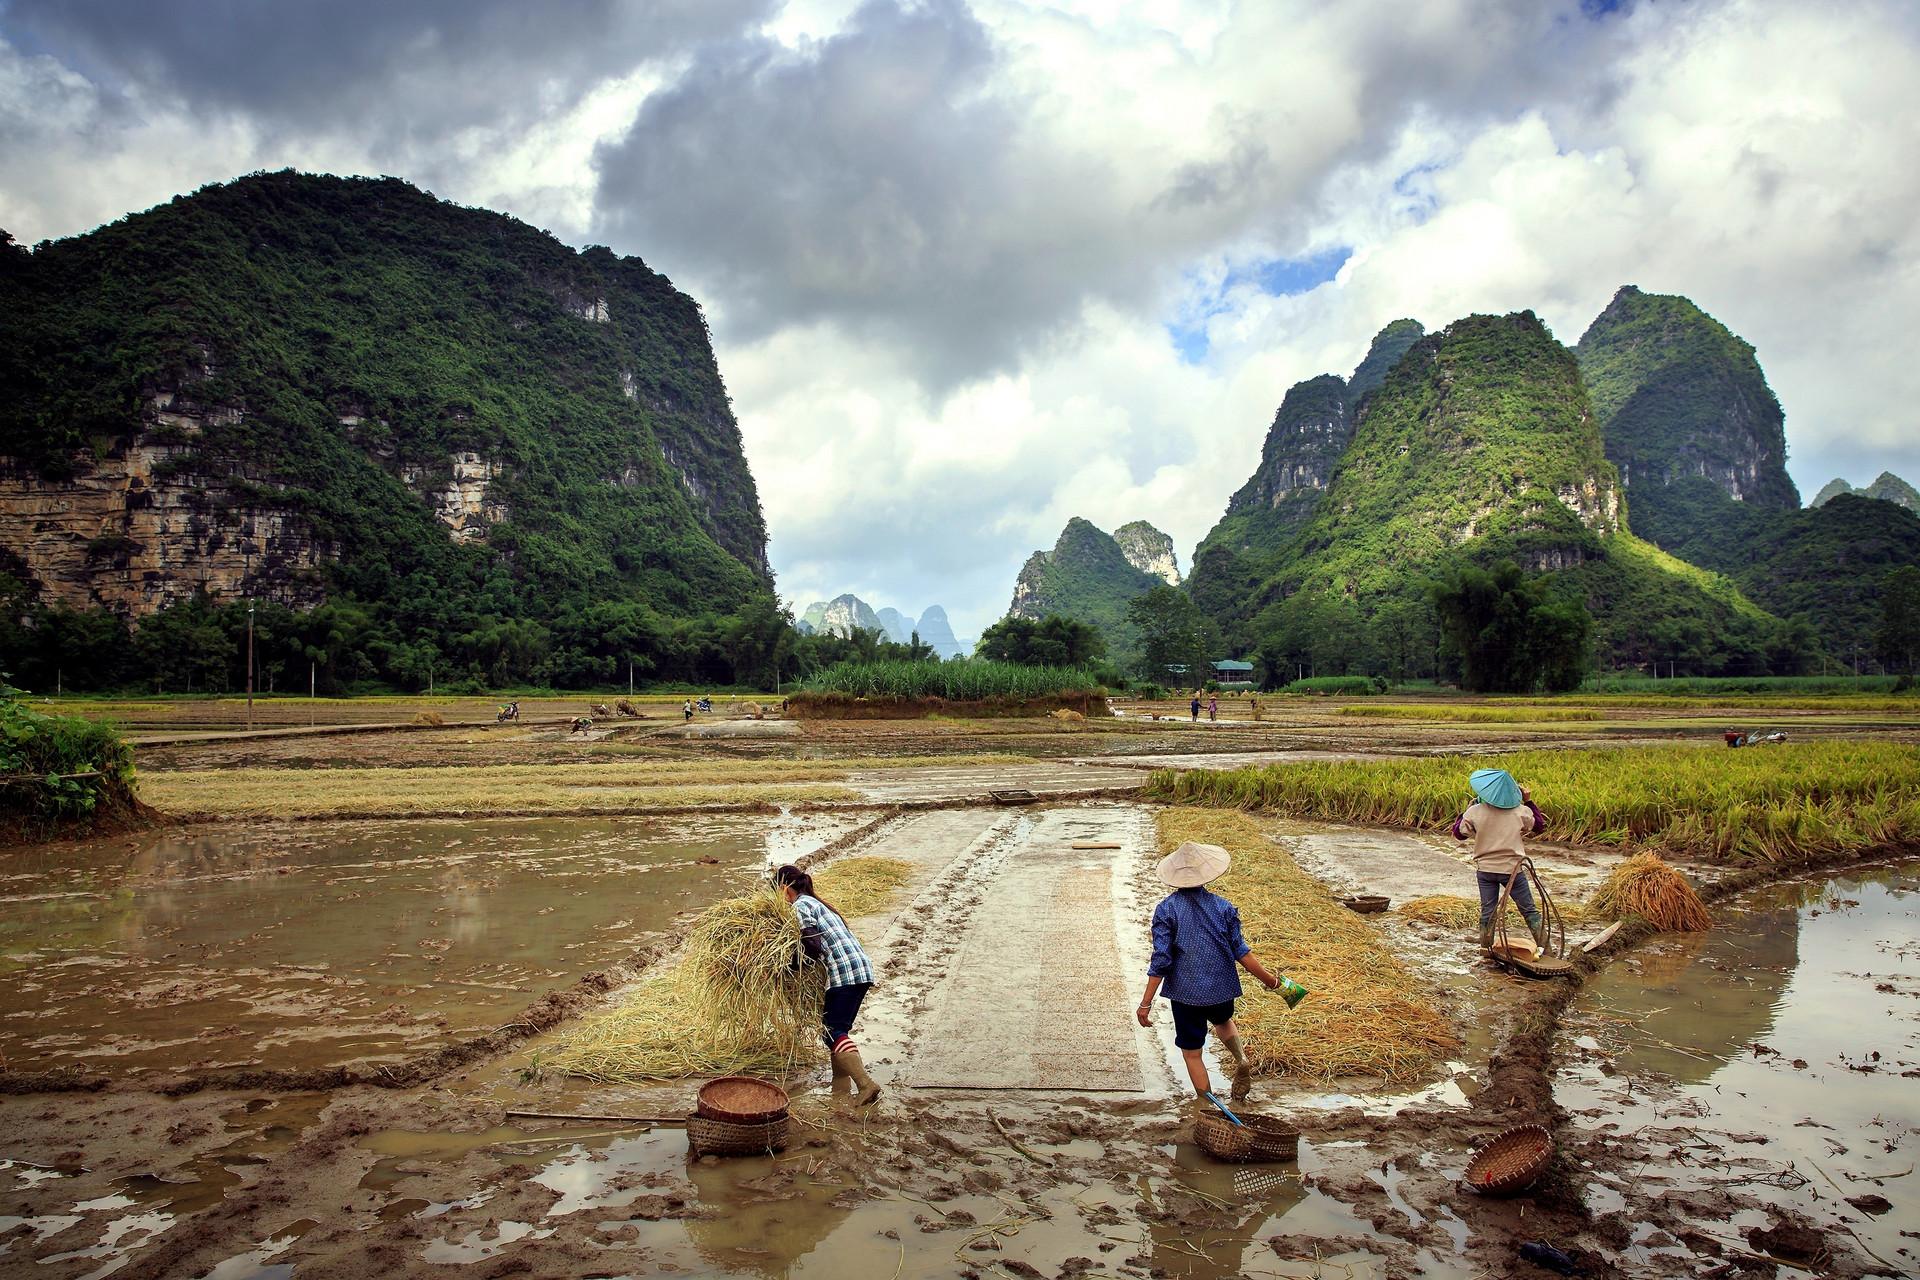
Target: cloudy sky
[(974, 268)]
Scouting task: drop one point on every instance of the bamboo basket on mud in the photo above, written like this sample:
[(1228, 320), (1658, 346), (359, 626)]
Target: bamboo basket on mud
[(710, 1137), (745, 1100), (1254, 1138), (1512, 1162)]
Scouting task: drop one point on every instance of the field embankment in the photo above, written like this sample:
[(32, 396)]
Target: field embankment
[(519, 789), (1775, 803)]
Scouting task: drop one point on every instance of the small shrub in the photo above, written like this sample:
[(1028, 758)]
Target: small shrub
[(59, 769)]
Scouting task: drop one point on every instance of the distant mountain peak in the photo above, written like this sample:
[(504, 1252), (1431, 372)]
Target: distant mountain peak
[(1679, 396), (1887, 487), (1088, 577), (1149, 550)]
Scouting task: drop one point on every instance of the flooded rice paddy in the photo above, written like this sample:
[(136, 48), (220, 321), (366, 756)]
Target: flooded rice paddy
[(1774, 1060), (304, 945)]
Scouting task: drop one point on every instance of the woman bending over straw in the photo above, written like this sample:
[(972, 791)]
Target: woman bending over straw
[(849, 974), (1498, 822)]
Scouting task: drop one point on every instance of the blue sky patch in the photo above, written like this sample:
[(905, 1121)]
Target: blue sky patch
[(1278, 277)]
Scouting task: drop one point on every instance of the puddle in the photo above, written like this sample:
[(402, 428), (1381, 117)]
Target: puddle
[(298, 946), (1775, 1059), (1174, 1213)]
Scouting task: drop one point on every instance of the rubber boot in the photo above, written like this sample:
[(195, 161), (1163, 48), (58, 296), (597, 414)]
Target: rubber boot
[(1537, 924), (848, 1060), (1242, 1068), (1486, 937)]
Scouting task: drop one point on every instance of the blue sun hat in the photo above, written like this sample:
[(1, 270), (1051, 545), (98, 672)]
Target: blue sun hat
[(1496, 787)]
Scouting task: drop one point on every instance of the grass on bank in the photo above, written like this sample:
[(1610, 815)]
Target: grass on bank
[(1368, 1015), (551, 788), (1758, 804)]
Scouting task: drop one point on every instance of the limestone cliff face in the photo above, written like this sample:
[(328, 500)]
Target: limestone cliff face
[(133, 533), (840, 615), (1148, 550), (1678, 397), (153, 522)]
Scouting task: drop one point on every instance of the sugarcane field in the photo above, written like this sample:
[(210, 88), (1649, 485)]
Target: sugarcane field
[(402, 985)]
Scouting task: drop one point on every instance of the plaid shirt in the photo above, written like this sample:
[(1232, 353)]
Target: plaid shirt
[(832, 943), (1197, 945)]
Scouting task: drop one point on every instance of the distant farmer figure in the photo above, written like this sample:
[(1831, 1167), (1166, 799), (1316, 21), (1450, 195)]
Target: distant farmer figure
[(1498, 824), (1194, 706), (1213, 708), (686, 711), (828, 941), (1196, 944)]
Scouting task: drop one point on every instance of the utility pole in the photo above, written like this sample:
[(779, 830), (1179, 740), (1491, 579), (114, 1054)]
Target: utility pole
[(629, 677), (249, 663)]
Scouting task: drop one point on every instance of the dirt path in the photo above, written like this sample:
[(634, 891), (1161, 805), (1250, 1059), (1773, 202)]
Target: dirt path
[(975, 781), (1020, 981)]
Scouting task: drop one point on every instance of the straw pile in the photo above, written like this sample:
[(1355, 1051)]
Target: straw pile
[(733, 1004), (1647, 887), (861, 886), (1451, 912), (1367, 1014)]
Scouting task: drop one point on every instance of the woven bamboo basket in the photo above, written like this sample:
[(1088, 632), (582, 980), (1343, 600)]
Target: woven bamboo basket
[(1511, 1162), (742, 1100), (708, 1137), (1254, 1138)]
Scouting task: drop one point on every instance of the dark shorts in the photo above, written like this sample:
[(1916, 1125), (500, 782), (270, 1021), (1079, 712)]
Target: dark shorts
[(1190, 1021), (842, 1007)]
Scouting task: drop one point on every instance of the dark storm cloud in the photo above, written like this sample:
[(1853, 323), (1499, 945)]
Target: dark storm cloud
[(387, 66), (872, 178)]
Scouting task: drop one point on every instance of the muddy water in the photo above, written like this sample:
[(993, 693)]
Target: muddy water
[(1776, 1059), (306, 945), (638, 1197)]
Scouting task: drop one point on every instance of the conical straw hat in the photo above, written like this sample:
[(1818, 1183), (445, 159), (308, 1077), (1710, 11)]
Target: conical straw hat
[(1194, 864), (1496, 787)]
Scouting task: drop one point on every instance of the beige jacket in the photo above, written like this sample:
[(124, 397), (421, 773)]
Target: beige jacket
[(1499, 835)]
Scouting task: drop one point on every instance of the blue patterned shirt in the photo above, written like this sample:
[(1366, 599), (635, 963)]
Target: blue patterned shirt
[(832, 943), (1197, 945)]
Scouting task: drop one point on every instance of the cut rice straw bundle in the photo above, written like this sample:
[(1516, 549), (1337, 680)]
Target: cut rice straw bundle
[(734, 1003), (1368, 1014), (1647, 887)]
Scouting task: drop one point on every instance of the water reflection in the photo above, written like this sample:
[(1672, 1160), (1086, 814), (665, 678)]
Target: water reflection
[(308, 944)]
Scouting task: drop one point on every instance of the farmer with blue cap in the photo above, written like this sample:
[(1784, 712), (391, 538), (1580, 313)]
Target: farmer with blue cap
[(1498, 823)]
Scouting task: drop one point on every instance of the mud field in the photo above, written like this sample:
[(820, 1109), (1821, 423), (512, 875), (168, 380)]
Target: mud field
[(266, 1049)]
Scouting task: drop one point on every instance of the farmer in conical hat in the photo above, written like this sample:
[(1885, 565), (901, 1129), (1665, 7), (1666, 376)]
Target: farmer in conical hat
[(1196, 944), (1498, 822)]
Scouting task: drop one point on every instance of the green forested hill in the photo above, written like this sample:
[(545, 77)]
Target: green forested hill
[(1088, 578), (1687, 414), (1479, 447), (333, 352), (1678, 396), (1302, 448)]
